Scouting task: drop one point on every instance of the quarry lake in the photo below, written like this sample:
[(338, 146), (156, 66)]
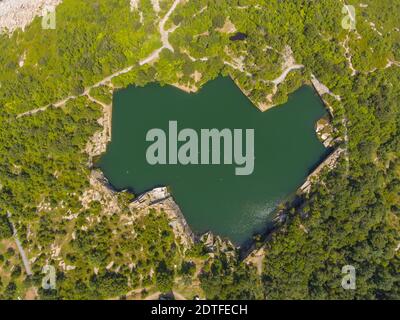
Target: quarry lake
[(212, 196)]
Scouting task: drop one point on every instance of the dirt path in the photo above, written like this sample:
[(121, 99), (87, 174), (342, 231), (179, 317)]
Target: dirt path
[(164, 36), (289, 64), (392, 63), (16, 14), (153, 56), (285, 72)]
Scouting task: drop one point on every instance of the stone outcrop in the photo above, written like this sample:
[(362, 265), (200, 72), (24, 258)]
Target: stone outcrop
[(97, 144), (16, 14), (102, 192), (325, 130), (161, 200), (216, 245)]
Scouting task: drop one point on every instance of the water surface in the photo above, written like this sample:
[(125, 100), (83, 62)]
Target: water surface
[(212, 197)]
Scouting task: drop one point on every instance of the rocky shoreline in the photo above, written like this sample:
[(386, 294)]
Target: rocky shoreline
[(160, 199)]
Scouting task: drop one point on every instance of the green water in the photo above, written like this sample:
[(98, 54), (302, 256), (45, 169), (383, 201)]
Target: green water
[(212, 197)]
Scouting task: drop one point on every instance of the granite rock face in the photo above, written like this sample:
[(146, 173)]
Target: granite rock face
[(16, 14)]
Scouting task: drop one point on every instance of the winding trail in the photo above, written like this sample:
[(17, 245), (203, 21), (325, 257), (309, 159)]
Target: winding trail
[(164, 36), (153, 56), (289, 64), (165, 33), (348, 56), (392, 63)]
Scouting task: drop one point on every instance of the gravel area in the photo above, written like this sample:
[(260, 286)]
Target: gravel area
[(19, 13)]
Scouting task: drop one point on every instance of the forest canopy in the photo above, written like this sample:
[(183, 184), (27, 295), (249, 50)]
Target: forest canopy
[(351, 215)]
